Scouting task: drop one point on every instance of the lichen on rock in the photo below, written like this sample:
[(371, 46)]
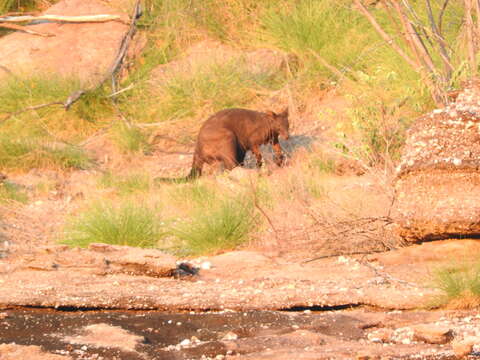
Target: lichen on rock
[(437, 183)]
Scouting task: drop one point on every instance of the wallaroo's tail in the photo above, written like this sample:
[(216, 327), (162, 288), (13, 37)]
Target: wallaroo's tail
[(194, 173), (181, 180)]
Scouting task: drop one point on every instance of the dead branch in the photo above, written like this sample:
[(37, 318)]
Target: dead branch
[(440, 17), (388, 39), (60, 18), (470, 39), (477, 11), (333, 69), (30, 108), (24, 29), (416, 42), (440, 42), (7, 70), (341, 254), (388, 277)]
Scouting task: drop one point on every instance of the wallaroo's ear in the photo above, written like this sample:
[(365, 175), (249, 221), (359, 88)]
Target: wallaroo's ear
[(284, 112), (270, 113)]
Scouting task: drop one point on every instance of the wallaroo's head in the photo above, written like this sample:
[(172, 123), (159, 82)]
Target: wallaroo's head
[(280, 123)]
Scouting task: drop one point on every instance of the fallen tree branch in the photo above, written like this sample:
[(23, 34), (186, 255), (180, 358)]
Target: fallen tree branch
[(24, 29), (60, 18), (30, 108)]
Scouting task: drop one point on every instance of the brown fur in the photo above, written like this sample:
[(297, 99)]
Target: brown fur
[(227, 136)]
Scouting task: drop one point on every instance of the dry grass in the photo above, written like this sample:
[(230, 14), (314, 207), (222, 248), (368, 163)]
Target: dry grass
[(459, 283)]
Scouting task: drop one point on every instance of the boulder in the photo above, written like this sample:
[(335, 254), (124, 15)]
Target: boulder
[(84, 51), (432, 334), (437, 183)]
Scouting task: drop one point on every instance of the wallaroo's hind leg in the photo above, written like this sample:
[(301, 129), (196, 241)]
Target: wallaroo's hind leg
[(229, 155), (197, 166), (279, 157), (258, 155), (240, 155)]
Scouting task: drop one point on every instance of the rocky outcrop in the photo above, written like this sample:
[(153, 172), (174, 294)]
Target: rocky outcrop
[(438, 180), (82, 51)]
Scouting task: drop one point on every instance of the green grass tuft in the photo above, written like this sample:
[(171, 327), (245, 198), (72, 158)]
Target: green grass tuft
[(212, 222), (459, 284), (126, 224)]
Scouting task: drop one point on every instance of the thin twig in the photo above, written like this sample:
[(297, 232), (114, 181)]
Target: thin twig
[(440, 17), (30, 108), (262, 211), (7, 70), (389, 277), (129, 87), (470, 40), (329, 66), (440, 42), (427, 67), (341, 254)]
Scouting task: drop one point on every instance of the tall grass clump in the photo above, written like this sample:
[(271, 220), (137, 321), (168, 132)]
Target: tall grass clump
[(124, 224), (211, 221), (312, 28), (459, 284)]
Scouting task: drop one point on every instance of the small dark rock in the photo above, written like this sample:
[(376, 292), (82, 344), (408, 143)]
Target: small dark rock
[(184, 270)]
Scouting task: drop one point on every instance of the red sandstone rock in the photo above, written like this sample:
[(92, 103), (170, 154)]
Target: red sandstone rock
[(83, 51), (438, 180)]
